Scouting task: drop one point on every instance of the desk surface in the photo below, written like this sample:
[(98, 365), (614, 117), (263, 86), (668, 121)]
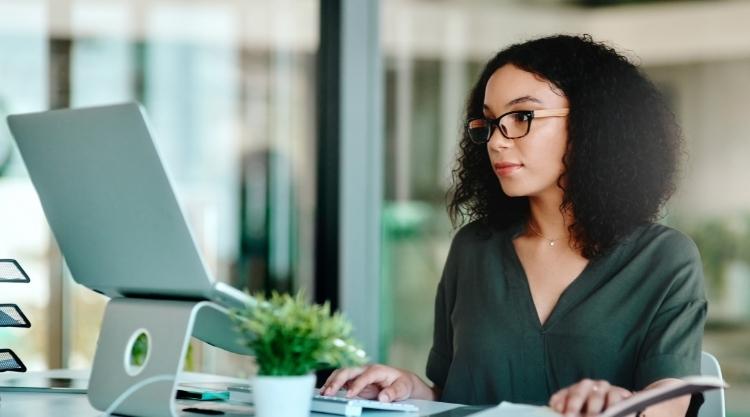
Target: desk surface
[(36, 404), (27, 404)]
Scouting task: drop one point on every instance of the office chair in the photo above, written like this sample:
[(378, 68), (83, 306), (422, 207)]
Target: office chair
[(713, 405)]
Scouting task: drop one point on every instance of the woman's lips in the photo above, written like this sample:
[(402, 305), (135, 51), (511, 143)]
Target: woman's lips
[(506, 168)]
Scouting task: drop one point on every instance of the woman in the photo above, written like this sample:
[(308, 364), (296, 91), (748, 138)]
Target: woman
[(561, 290)]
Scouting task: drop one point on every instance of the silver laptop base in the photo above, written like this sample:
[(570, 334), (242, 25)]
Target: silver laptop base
[(168, 325)]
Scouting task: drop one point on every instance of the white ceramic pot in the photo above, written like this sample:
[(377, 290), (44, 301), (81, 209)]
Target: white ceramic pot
[(283, 396)]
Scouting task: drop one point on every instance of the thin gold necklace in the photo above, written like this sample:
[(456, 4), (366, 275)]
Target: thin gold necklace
[(551, 241)]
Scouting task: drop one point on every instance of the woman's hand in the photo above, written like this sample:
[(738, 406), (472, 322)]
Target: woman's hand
[(377, 381), (587, 398)]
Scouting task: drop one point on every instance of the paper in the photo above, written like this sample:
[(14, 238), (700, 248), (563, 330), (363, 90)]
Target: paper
[(637, 402), (507, 409)]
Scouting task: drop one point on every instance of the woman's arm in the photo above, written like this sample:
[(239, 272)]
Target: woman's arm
[(424, 391)]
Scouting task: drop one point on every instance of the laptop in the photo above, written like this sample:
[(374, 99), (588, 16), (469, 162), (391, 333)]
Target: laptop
[(111, 205)]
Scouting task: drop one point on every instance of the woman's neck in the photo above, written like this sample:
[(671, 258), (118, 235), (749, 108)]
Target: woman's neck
[(546, 220)]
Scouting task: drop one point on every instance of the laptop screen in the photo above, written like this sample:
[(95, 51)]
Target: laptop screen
[(110, 203)]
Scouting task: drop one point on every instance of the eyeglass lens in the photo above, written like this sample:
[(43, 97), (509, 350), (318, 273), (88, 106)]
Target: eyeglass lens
[(512, 126)]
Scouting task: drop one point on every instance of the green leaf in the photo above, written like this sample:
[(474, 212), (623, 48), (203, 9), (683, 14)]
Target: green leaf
[(292, 337)]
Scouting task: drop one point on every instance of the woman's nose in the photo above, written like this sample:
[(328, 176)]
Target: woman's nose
[(498, 141)]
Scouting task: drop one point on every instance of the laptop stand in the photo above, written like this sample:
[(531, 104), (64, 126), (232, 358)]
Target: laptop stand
[(168, 326)]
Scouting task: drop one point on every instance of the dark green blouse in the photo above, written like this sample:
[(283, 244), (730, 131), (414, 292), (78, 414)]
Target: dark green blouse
[(633, 316)]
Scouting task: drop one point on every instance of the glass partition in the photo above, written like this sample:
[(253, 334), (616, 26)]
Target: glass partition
[(229, 88), (433, 54)]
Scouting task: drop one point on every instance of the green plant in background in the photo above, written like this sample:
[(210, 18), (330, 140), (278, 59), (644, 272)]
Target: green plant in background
[(720, 241), (140, 350), (292, 337)]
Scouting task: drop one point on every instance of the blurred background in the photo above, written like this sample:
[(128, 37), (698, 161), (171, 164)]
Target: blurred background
[(233, 90)]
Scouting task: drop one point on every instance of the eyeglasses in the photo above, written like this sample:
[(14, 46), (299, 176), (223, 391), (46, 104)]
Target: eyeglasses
[(513, 124)]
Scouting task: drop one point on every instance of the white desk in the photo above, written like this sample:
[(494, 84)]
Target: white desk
[(27, 404), (17, 404)]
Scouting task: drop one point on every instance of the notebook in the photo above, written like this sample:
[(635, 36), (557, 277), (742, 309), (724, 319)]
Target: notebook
[(631, 405)]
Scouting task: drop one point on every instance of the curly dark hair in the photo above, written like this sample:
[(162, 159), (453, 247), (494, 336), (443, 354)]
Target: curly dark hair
[(622, 153)]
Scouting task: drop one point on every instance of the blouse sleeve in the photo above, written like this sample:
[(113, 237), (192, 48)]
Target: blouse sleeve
[(672, 344), (441, 353)]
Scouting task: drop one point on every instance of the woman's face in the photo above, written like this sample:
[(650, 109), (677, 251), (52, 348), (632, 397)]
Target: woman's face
[(531, 165)]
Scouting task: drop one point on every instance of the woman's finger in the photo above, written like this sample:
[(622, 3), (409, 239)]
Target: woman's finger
[(613, 397), (576, 398), (370, 392), (378, 375), (338, 378), (399, 390), (596, 398), (617, 394), (557, 401), (330, 378)]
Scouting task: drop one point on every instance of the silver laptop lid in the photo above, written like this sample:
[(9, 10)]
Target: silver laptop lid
[(110, 203)]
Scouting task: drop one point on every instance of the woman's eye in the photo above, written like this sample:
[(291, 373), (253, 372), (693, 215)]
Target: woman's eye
[(520, 117)]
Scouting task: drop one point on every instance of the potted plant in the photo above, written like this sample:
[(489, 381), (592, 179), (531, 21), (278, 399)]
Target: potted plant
[(291, 339)]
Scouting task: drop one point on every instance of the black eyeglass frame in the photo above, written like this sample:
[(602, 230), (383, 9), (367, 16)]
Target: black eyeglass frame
[(531, 114)]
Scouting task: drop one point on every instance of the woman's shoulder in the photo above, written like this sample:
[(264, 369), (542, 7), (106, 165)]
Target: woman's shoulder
[(481, 233), (473, 231), (669, 258), (475, 239), (662, 240)]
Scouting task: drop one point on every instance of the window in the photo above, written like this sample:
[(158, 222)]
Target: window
[(429, 69), (229, 88)]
